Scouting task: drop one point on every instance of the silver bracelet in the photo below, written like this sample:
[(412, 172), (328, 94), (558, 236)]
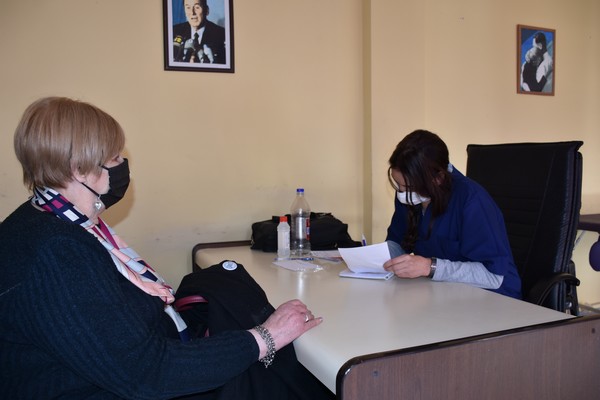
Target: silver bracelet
[(266, 335)]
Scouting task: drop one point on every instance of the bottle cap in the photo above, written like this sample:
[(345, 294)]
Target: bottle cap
[(283, 219)]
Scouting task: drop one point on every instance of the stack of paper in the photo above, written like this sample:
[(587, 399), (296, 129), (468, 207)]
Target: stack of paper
[(366, 262)]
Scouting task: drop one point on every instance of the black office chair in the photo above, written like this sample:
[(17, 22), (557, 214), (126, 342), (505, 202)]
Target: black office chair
[(538, 188)]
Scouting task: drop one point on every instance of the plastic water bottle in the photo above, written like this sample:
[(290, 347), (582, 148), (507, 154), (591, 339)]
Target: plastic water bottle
[(300, 233), (283, 238)]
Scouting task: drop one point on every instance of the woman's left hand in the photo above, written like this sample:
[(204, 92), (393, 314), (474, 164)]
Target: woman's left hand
[(409, 266)]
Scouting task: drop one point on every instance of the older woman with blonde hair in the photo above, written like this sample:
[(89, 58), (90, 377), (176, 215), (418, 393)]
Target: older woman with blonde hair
[(83, 316)]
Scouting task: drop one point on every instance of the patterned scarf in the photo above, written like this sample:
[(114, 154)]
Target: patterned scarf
[(126, 260)]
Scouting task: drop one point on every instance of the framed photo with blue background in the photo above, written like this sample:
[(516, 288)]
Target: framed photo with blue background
[(536, 60), (198, 35)]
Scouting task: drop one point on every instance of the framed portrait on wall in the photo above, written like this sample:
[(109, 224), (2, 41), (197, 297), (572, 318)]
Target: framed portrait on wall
[(198, 35), (536, 54)]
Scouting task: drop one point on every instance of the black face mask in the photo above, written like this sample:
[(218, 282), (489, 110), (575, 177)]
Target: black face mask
[(118, 182)]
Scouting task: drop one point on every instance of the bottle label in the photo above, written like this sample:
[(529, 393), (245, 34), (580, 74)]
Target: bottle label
[(300, 240), (302, 228)]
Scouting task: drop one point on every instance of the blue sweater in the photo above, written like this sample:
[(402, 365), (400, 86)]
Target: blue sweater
[(471, 229), (73, 327)]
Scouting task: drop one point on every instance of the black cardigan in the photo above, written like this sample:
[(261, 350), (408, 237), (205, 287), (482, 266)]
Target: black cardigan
[(73, 326)]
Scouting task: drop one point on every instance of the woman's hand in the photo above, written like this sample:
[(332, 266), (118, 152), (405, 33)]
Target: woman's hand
[(409, 266), (288, 322)]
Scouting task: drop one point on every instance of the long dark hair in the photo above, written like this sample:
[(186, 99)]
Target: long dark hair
[(422, 159)]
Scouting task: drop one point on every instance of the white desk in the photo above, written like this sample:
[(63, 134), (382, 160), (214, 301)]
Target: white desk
[(366, 316)]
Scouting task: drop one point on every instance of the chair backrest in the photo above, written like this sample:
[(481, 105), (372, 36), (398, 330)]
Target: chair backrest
[(538, 188)]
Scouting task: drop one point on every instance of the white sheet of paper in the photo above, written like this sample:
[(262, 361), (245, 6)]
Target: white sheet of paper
[(366, 275), (297, 265), (366, 258)]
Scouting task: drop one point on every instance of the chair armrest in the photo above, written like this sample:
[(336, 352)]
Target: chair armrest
[(539, 292), (212, 245)]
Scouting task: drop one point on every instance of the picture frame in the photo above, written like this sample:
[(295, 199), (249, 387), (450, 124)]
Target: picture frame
[(198, 35), (536, 56)]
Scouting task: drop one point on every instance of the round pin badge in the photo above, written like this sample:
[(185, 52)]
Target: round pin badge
[(229, 265)]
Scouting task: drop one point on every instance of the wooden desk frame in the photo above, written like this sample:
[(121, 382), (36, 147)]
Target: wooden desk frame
[(558, 360)]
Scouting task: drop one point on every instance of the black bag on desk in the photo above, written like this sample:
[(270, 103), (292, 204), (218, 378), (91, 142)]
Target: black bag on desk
[(326, 233), (235, 301)]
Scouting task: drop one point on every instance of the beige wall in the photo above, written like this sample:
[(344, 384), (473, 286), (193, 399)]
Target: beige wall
[(212, 152)]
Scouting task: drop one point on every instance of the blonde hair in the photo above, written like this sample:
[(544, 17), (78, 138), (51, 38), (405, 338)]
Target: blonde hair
[(57, 135)]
